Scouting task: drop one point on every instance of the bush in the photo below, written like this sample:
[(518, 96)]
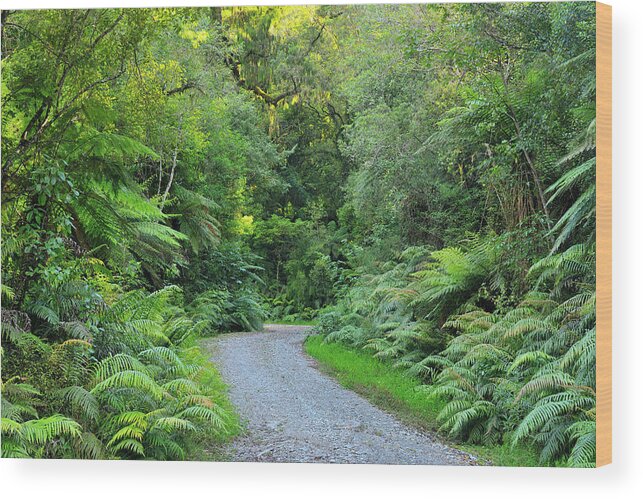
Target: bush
[(328, 323)]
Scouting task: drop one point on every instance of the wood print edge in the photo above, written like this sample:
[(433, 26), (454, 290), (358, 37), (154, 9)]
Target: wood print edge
[(603, 234)]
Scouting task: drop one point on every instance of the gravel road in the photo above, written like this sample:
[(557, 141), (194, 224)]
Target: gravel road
[(294, 413)]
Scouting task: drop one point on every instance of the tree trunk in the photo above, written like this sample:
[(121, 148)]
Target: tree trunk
[(174, 160)]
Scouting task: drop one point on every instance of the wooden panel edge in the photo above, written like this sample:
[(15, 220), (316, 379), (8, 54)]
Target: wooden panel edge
[(603, 234)]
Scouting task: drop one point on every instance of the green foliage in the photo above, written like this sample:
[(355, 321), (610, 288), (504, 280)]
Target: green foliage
[(139, 393), (223, 287), (526, 370), (297, 255)]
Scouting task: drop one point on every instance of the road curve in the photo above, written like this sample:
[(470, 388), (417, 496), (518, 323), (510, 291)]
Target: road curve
[(295, 413)]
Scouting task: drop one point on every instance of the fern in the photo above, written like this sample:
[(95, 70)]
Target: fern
[(31, 438), (80, 398), (129, 379)]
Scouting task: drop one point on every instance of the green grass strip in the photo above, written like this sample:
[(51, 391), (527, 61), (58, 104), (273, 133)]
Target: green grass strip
[(285, 322)]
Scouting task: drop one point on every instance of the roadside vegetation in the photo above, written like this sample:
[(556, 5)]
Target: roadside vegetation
[(405, 396)]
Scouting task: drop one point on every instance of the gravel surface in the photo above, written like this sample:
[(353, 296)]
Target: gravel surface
[(294, 413)]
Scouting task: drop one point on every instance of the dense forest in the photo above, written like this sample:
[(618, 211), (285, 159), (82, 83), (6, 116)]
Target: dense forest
[(419, 180)]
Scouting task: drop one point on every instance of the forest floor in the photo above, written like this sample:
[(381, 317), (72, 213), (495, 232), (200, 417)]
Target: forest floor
[(295, 413)]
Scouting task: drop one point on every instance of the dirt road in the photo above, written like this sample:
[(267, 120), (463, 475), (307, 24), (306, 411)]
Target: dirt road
[(295, 413)]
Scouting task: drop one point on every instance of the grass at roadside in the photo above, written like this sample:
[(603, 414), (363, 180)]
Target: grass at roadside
[(210, 446), (283, 322), (396, 392)]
